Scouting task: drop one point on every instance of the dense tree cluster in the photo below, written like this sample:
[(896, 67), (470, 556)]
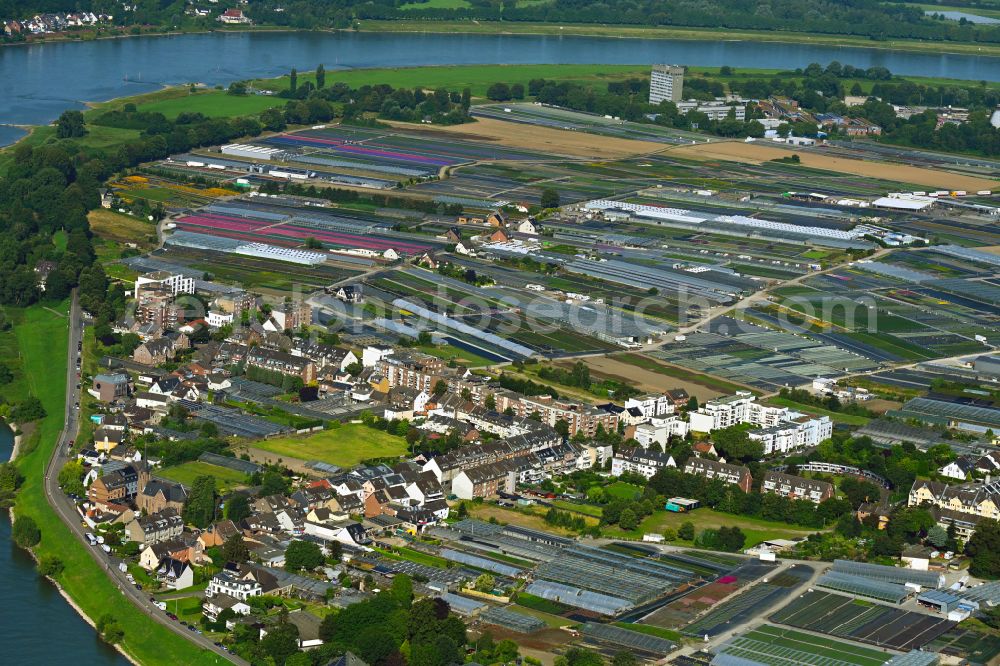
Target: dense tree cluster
[(730, 499), (390, 628)]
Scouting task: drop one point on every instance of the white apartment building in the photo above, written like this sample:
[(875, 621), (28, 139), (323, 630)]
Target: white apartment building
[(218, 319), (177, 284), (734, 409), (714, 110), (666, 82), (652, 405), (226, 582), (799, 432), (658, 431), (638, 461)]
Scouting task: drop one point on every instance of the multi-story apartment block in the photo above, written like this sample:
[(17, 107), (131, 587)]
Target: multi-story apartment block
[(579, 416), (666, 83), (413, 370), (736, 475), (734, 409), (657, 431), (799, 432), (796, 487), (171, 282), (652, 405), (281, 362), (640, 461), (961, 505)]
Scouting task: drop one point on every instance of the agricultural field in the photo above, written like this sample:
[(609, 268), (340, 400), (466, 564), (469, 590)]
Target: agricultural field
[(213, 104), (345, 446), (119, 228), (782, 647), (185, 473), (862, 621)]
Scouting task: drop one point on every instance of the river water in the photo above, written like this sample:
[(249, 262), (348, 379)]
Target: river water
[(37, 626), (39, 81)]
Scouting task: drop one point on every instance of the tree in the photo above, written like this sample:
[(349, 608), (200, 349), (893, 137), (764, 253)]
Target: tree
[(25, 532), (71, 478), (549, 198), (984, 549), (735, 444), (320, 77), (313, 244), (402, 590), (238, 508), (50, 565), (70, 125), (485, 583), (490, 403), (624, 658), (199, 508), (281, 641), (937, 536), (235, 549), (499, 92), (303, 555), (273, 483), (686, 531), (562, 427), (440, 388), (628, 521), (109, 629), (10, 477), (293, 80)]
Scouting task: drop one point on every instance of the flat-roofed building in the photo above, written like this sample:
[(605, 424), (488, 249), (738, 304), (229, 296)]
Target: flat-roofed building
[(666, 83)]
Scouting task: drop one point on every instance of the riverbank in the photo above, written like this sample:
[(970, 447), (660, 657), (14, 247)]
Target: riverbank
[(614, 31), (687, 34), (42, 335)]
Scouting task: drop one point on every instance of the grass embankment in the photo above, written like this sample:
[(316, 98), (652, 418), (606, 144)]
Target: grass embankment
[(42, 338), (660, 32), (346, 446), (218, 103)]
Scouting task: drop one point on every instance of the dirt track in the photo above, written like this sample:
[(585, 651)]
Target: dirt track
[(542, 139), (760, 151)]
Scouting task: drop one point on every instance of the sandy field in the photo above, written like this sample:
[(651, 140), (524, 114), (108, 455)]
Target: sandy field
[(642, 379), (542, 139), (758, 152), (992, 249)]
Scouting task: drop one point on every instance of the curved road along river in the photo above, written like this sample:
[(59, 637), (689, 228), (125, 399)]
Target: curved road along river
[(67, 511)]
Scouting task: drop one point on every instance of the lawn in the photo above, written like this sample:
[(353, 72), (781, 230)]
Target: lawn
[(523, 517), (120, 228), (836, 417), (225, 479), (622, 490), (42, 340), (755, 529), (669, 634), (461, 356), (214, 104), (436, 4), (346, 446), (476, 77)]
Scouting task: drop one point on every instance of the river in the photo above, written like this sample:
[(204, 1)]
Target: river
[(39, 81), (37, 626)]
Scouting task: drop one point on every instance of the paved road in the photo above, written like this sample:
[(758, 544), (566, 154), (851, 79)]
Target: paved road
[(67, 511)]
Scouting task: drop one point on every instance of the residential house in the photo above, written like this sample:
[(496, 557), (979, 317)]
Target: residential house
[(175, 574), (960, 468), (737, 475), (118, 487), (166, 525), (228, 583), (111, 387), (640, 461), (796, 487)]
